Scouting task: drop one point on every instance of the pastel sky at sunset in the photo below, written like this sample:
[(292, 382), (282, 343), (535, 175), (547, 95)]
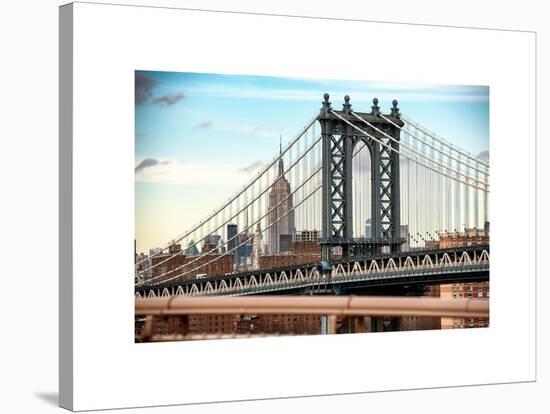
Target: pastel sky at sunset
[(199, 137)]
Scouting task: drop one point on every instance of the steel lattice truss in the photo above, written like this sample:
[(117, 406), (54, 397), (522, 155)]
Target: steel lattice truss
[(337, 186), (386, 192)]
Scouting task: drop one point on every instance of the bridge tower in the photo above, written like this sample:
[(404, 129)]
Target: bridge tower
[(339, 139)]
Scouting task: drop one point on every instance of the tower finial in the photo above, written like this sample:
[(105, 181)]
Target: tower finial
[(394, 109), (347, 105), (325, 109), (375, 107), (280, 144)]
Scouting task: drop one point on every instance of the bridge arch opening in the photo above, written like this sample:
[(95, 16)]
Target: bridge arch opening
[(362, 190)]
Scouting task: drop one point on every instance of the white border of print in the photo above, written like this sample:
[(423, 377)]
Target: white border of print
[(110, 371)]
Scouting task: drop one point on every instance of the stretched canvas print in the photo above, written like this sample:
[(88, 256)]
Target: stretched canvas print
[(272, 190), (324, 206)]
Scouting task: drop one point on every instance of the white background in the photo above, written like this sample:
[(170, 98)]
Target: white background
[(30, 297)]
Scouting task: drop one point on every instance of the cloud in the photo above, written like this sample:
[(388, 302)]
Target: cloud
[(144, 91), (264, 130), (192, 173), (143, 88), (260, 128), (205, 124), (252, 167), (168, 100), (146, 163)]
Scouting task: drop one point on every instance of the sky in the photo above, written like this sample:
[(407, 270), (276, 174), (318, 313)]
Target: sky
[(199, 137)]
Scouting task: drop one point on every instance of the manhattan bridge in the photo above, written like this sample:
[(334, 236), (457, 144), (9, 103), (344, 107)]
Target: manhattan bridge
[(345, 169)]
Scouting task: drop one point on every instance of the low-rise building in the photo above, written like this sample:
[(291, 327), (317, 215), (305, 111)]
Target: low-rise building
[(479, 290), (176, 265)]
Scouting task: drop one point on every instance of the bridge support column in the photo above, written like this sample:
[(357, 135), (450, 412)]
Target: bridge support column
[(328, 324), (324, 325)]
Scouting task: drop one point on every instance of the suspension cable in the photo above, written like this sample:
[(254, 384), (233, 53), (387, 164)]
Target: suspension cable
[(248, 228), (446, 166), (232, 216), (231, 199), (226, 253), (405, 155), (442, 141), (435, 148)]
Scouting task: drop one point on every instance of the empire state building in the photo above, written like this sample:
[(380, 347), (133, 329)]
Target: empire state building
[(281, 218)]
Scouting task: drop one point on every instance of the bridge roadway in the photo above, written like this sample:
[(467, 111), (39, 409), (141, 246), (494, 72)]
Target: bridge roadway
[(429, 266)]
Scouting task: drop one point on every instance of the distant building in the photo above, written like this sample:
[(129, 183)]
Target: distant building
[(281, 216), (142, 267), (307, 235), (238, 324), (431, 244), (231, 237), (212, 324), (243, 249), (271, 261), (245, 324), (470, 237), (285, 243), (417, 323), (368, 228), (479, 290), (192, 249), (175, 265), (257, 248), (174, 248), (141, 258), (152, 253), (198, 324), (290, 324), (306, 242), (304, 250), (405, 247), (211, 243)]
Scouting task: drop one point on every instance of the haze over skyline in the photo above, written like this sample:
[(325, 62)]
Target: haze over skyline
[(199, 137)]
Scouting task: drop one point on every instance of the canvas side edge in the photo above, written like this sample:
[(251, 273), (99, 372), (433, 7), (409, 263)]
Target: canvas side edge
[(66, 207)]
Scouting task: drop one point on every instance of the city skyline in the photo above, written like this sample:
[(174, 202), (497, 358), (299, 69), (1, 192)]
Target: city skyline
[(202, 136)]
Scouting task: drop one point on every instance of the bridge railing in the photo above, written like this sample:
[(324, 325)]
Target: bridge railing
[(353, 308)]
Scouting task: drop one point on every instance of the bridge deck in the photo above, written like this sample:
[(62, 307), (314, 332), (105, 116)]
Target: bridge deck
[(426, 266)]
